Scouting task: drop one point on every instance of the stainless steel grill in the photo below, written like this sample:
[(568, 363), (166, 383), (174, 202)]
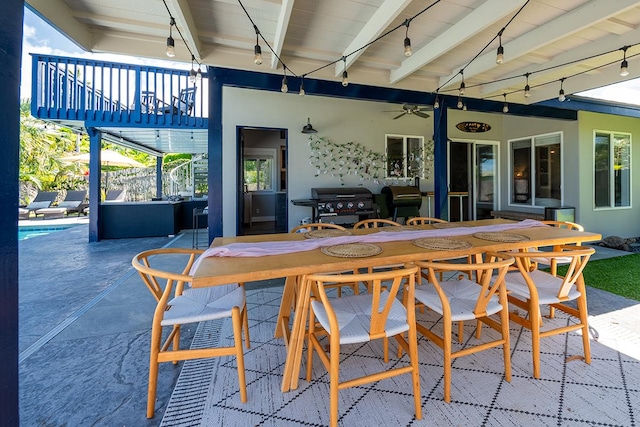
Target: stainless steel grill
[(343, 205)]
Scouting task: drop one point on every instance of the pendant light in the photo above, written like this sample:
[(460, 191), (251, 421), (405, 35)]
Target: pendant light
[(505, 107), (284, 88), (407, 40), (301, 92), (193, 74), (527, 88)]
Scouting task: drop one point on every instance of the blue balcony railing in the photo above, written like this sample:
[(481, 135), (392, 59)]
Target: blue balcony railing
[(102, 93)]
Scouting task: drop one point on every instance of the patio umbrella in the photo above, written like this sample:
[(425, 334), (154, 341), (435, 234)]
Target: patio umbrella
[(107, 158)]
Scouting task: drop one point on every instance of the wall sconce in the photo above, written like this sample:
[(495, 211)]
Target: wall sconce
[(308, 128)]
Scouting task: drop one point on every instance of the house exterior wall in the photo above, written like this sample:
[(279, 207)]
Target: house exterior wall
[(338, 120), (623, 222)]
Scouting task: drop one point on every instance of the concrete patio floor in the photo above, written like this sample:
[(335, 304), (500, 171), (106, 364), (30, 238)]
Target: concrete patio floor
[(85, 320)]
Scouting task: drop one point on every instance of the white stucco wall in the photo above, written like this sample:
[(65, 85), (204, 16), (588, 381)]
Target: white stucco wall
[(338, 120)]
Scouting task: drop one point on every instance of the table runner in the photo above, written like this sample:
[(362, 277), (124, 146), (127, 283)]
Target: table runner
[(257, 249)]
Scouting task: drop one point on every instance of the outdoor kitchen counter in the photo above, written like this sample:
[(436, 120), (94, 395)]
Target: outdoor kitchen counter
[(120, 220)]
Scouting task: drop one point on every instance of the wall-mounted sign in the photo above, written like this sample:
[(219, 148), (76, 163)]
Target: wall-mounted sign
[(473, 127)]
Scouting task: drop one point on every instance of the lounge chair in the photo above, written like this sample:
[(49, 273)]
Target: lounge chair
[(42, 200), (183, 104), (115, 196), (72, 202)]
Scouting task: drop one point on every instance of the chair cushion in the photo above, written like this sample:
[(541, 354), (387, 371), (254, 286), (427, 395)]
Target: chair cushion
[(198, 305), (38, 205), (354, 317), (546, 284), (462, 296), (69, 204)]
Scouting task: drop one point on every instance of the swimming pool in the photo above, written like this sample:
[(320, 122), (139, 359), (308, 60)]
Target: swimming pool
[(30, 231)]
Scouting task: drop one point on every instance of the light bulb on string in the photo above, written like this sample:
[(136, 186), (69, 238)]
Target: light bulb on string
[(500, 54), (527, 88), (462, 85), (257, 50), (284, 88), (192, 73), (436, 103), (301, 92), (561, 96), (171, 50), (345, 75), (407, 40), (505, 107), (624, 66), (459, 104)]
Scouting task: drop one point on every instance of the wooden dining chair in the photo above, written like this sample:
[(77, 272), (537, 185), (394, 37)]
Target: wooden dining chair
[(178, 304), (421, 220), (317, 226), (360, 319), (475, 295), (553, 263), (375, 223), (530, 288)]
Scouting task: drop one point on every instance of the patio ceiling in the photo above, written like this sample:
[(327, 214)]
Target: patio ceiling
[(308, 34)]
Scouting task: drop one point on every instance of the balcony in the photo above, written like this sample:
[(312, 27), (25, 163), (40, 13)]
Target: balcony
[(102, 93)]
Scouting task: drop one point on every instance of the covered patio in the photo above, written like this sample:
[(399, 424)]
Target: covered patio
[(84, 358)]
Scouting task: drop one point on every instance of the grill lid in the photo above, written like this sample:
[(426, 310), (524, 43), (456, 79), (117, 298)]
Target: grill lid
[(341, 193), (399, 195)]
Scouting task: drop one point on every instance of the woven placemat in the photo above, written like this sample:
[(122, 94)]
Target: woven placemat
[(501, 237), (398, 228), (446, 225), (326, 232), (352, 250), (441, 243)]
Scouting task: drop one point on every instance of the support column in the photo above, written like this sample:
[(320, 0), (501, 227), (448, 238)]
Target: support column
[(214, 179), (440, 161), (95, 190), (159, 177), (10, 57)]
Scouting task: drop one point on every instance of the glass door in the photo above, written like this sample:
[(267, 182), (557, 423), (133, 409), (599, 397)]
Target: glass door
[(486, 183), (473, 184)]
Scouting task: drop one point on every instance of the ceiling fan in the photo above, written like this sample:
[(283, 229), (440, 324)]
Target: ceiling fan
[(410, 109)]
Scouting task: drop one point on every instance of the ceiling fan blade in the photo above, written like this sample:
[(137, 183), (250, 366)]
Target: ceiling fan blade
[(392, 111), (399, 115), (419, 114)]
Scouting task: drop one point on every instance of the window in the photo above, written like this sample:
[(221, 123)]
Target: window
[(537, 170), (405, 156), (259, 169), (612, 169)]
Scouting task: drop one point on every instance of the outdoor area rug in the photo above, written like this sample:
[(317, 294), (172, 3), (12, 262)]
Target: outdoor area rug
[(569, 392)]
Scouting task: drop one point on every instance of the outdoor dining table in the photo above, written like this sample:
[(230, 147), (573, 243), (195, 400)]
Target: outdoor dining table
[(218, 270)]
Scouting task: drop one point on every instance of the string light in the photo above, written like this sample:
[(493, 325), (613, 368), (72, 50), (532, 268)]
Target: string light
[(500, 55), (284, 88), (199, 74), (462, 85), (624, 66), (436, 103), (257, 50), (301, 92), (407, 40), (345, 75), (171, 44), (527, 88), (193, 74), (459, 104), (505, 107), (561, 96)]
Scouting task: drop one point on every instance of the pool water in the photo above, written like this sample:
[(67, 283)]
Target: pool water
[(30, 232)]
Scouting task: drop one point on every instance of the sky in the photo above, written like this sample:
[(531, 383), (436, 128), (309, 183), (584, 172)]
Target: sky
[(40, 37)]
